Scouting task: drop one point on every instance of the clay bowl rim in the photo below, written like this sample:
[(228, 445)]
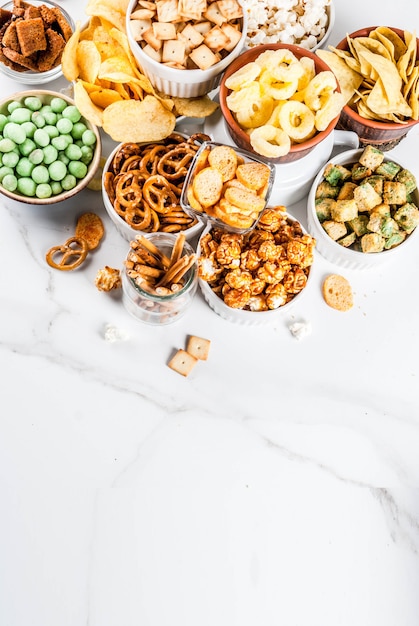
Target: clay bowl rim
[(351, 113), (251, 54)]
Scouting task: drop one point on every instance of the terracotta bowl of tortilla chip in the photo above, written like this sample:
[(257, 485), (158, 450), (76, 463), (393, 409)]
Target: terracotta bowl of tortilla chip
[(384, 134), (62, 27)]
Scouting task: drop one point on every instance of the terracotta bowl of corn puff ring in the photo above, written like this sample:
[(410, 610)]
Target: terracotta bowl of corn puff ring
[(185, 55), (363, 210), (279, 101), (160, 278), (381, 114)]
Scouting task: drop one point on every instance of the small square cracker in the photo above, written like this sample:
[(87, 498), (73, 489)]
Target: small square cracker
[(182, 362), (198, 347)]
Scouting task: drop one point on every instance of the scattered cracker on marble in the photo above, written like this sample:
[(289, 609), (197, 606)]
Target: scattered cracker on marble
[(198, 347), (182, 362), (337, 292)]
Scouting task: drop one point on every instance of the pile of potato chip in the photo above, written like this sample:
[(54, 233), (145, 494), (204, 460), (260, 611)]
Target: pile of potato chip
[(378, 74), (109, 88)]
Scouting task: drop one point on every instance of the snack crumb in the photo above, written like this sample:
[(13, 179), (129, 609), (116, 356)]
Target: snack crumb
[(300, 330), (113, 334)]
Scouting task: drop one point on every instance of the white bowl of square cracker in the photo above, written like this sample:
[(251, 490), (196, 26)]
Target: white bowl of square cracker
[(339, 226), (185, 61)]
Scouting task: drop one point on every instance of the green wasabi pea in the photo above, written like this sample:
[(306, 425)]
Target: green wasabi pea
[(20, 115), (4, 171), (50, 155), (33, 103), (88, 138), (41, 137), (10, 159), (58, 105), (77, 169), (38, 119), (7, 145), (64, 126), (72, 113), (73, 152), (29, 128), (69, 182), (14, 104), (40, 174), (43, 190), (78, 130), (15, 132), (24, 167), (26, 186), (9, 182), (57, 171), (3, 121), (36, 156), (27, 147)]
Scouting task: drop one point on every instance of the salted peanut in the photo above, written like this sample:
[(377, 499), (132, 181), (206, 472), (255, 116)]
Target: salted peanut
[(337, 292), (182, 362)]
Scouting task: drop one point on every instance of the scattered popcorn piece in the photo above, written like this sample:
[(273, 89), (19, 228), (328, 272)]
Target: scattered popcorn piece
[(300, 330), (113, 334), (108, 278)]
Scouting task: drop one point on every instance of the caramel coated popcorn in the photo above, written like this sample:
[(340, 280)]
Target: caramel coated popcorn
[(261, 270)]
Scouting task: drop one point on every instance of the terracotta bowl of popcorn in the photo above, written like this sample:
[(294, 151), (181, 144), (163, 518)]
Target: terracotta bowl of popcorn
[(27, 62), (279, 101), (188, 60), (309, 27), (254, 278), (133, 215), (362, 209), (386, 99)]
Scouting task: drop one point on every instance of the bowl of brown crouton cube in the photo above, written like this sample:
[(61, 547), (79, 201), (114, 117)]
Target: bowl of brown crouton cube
[(363, 208), (33, 36), (183, 48)]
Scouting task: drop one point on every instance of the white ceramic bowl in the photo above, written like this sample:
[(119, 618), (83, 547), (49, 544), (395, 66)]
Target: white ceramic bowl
[(123, 228), (181, 83), (242, 316), (30, 77), (347, 257), (46, 97)]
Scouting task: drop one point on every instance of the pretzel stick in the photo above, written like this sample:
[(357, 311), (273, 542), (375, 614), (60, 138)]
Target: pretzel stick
[(149, 245), (177, 249)]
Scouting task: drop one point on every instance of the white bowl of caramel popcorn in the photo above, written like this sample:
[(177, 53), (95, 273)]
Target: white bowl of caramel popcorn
[(32, 39), (183, 48), (142, 184), (363, 209), (252, 278)]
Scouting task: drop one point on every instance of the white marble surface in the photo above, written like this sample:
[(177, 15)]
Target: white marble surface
[(275, 485)]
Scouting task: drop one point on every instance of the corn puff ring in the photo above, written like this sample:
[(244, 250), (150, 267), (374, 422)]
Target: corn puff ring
[(271, 59), (243, 98), (243, 76), (270, 141), (297, 120), (329, 110), (319, 88), (256, 114), (277, 88)]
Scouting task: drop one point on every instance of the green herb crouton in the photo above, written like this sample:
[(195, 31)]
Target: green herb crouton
[(388, 169), (366, 197), (347, 191), (335, 230), (324, 207), (326, 190), (371, 157), (372, 242), (407, 178), (394, 192), (407, 217), (336, 174), (344, 210)]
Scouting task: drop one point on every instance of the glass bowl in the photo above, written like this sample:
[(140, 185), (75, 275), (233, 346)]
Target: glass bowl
[(31, 77), (226, 209)]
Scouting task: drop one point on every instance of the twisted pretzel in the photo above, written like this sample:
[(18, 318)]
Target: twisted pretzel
[(73, 252)]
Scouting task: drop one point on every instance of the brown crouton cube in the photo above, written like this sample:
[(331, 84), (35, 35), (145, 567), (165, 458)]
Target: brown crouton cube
[(394, 192), (31, 35), (51, 57)]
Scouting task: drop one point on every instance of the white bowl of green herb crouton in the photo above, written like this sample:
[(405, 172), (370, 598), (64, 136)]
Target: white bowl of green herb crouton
[(363, 208), (48, 150)]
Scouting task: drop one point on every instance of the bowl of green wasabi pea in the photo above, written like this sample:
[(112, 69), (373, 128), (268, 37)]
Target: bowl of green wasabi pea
[(48, 151)]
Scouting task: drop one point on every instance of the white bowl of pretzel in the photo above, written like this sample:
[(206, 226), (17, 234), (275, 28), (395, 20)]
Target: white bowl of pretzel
[(254, 277), (142, 184)]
